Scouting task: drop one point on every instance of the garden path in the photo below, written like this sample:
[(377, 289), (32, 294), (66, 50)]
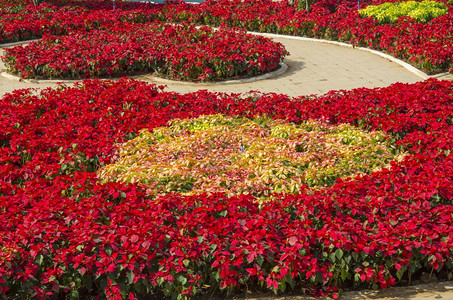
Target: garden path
[(313, 68), (430, 291)]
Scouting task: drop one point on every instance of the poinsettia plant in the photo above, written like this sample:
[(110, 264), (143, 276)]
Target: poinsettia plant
[(63, 233), (180, 52)]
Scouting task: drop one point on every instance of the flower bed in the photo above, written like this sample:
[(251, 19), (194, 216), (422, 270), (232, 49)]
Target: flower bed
[(180, 52), (212, 154), (427, 46), (390, 12), (63, 232), (24, 21)]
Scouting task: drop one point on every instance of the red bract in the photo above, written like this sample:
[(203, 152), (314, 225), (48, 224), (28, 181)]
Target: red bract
[(62, 232), (25, 21), (174, 51)]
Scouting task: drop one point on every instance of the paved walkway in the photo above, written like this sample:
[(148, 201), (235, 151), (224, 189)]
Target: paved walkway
[(313, 68), (431, 291), (441, 290)]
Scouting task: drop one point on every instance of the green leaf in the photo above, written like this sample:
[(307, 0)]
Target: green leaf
[(282, 286), (217, 276), (290, 280), (182, 279), (130, 277), (333, 257), (400, 273), (344, 275), (339, 253), (39, 259), (260, 260), (74, 295), (223, 213)]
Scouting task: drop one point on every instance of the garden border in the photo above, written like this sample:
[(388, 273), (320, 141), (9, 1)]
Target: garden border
[(12, 44), (283, 67)]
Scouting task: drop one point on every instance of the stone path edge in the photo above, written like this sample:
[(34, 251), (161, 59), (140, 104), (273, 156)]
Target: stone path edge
[(7, 45), (426, 291), (269, 75)]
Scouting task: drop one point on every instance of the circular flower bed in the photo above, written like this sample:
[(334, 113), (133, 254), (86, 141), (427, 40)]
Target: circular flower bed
[(64, 233), (180, 52), (240, 156)]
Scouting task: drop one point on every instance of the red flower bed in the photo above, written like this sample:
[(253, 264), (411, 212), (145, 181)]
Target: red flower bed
[(175, 51), (24, 21), (427, 46), (62, 232)]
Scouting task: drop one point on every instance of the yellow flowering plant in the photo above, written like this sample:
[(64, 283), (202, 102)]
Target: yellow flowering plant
[(389, 12)]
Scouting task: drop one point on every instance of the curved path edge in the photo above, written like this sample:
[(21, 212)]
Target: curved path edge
[(425, 291), (12, 44), (283, 67)]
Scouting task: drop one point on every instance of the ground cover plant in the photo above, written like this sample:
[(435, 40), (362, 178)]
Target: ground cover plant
[(213, 153), (181, 52), (64, 233)]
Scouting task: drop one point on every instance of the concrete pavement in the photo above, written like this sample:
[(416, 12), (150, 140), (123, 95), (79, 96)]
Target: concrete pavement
[(431, 291)]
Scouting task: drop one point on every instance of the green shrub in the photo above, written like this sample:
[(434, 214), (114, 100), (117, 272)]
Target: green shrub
[(305, 4), (390, 12)]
